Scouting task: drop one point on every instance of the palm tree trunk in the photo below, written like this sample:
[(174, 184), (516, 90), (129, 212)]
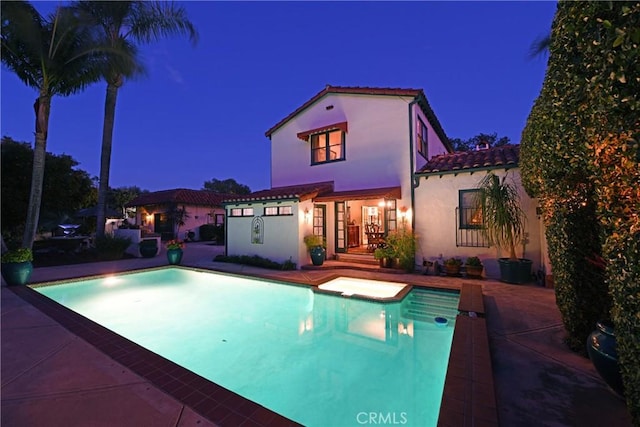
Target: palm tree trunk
[(105, 157), (42, 107)]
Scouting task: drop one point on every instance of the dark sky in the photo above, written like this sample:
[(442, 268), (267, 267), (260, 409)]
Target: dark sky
[(202, 111)]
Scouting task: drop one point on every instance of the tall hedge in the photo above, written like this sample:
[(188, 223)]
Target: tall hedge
[(556, 168), (589, 109)]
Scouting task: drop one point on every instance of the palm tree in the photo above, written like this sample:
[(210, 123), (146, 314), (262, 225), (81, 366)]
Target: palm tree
[(540, 47), (122, 24), (54, 56)]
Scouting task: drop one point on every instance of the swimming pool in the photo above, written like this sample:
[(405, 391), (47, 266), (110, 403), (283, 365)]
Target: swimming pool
[(317, 359)]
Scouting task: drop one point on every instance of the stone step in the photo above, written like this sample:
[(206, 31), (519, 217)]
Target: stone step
[(357, 259)]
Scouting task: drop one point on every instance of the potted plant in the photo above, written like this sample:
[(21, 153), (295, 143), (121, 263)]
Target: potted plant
[(148, 248), (17, 266), (504, 225), (315, 246), (474, 267), (403, 248), (174, 251), (452, 266), (385, 255)]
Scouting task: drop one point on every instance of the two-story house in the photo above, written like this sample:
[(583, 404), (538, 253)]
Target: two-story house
[(348, 159), (342, 161)]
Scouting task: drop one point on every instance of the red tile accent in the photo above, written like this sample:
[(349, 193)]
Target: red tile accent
[(503, 156)]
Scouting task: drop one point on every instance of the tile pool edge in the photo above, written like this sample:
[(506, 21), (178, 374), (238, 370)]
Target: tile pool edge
[(468, 395)]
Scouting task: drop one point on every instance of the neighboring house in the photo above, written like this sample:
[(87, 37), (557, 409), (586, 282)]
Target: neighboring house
[(348, 158), (447, 224), (157, 211)]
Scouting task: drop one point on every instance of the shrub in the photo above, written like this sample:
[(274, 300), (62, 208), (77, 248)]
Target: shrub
[(110, 247), (18, 255), (579, 161), (473, 261), (403, 247), (384, 252), (207, 232), (453, 262)]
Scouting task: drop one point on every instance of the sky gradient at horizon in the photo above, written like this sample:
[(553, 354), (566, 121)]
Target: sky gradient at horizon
[(202, 111)]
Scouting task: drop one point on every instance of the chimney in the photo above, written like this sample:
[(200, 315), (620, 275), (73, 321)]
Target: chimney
[(482, 145)]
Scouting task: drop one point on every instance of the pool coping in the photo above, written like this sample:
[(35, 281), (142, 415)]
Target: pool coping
[(468, 396)]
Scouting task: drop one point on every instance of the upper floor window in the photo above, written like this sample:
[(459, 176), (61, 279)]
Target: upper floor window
[(422, 138), (327, 146), (278, 210)]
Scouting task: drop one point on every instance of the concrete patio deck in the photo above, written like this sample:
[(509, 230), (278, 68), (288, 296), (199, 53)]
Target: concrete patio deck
[(51, 377)]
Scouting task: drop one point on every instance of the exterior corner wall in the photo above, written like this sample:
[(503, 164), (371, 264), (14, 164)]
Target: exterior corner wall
[(436, 199)]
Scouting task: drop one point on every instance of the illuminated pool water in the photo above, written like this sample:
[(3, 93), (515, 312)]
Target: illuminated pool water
[(319, 359)]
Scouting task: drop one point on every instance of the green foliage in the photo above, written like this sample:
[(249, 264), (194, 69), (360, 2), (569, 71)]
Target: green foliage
[(453, 262), (504, 219), (579, 156), (313, 241), (54, 56), (482, 138), (18, 255), (227, 186), (473, 261), (385, 251), (110, 247), (403, 247), (119, 197), (617, 176), (65, 188), (207, 232), (256, 261)]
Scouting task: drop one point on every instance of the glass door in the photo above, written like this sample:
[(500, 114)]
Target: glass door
[(341, 227)]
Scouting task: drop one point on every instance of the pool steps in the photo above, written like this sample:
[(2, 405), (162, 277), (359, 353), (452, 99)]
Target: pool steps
[(426, 306)]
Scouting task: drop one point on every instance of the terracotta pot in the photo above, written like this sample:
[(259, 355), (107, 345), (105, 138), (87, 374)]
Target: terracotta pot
[(474, 271), (452, 270)]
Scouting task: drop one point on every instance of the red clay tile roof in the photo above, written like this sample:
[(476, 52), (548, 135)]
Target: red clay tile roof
[(365, 194), (495, 157), (417, 94), (179, 195), (300, 192)]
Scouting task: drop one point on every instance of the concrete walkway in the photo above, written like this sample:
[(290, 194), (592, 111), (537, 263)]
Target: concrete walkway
[(50, 377)]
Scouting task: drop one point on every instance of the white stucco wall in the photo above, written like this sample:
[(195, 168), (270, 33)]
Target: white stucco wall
[(434, 143), (376, 145), (436, 200), (281, 235)]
